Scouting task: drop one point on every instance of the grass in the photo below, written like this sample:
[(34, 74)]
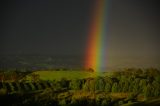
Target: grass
[(57, 75)]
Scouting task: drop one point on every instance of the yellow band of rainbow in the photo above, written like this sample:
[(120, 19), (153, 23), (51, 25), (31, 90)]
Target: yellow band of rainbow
[(96, 44)]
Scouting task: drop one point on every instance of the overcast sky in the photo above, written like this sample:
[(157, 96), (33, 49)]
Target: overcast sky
[(61, 27)]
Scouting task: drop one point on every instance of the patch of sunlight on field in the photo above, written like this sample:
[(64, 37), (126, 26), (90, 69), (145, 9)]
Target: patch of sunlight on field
[(57, 75)]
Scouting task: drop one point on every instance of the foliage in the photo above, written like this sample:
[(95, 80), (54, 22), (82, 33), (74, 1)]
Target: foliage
[(115, 87), (81, 90), (76, 84), (3, 92)]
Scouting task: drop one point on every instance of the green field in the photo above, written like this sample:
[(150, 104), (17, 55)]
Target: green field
[(57, 75)]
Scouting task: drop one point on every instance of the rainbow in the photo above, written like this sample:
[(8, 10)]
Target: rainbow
[(96, 43)]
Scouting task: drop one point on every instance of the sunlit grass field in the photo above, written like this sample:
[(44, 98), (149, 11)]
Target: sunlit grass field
[(58, 75)]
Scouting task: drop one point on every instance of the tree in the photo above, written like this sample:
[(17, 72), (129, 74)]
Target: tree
[(108, 84), (136, 87), (156, 88), (87, 85), (157, 78), (64, 83), (3, 92), (76, 84), (11, 86), (148, 91), (2, 77), (32, 86), (99, 84), (14, 76), (143, 84), (115, 87), (35, 77), (126, 86), (90, 70), (108, 87)]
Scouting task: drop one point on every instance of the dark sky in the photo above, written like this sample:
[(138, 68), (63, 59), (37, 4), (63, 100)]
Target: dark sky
[(61, 27), (44, 26)]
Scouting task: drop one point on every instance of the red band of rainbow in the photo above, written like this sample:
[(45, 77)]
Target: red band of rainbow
[(96, 45)]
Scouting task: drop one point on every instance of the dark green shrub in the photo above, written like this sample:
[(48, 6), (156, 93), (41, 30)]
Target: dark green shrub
[(76, 84), (115, 87), (99, 84)]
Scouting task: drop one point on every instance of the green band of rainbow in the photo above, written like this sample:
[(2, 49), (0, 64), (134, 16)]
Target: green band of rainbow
[(96, 45)]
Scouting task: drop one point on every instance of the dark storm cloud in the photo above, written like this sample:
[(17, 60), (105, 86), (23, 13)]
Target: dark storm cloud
[(136, 28), (44, 26), (61, 27), (134, 33)]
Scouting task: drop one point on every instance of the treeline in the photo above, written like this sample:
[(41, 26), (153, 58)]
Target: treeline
[(14, 87), (146, 82)]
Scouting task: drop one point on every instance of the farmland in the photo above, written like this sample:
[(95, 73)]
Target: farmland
[(58, 75), (76, 88)]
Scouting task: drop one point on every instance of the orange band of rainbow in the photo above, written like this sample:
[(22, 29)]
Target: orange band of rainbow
[(96, 45)]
